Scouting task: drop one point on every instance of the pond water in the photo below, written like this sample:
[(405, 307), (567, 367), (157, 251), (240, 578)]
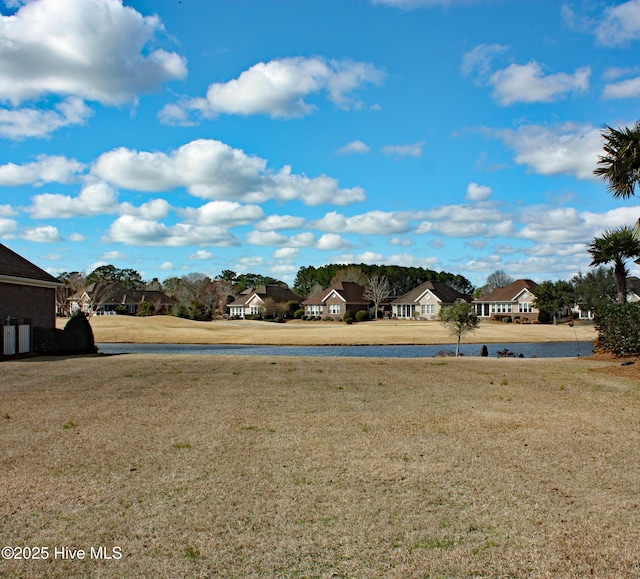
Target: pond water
[(528, 350)]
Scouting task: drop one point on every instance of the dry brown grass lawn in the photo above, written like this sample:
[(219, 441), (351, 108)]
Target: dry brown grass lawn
[(168, 329), (226, 466)]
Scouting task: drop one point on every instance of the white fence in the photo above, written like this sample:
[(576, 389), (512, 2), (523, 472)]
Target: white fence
[(16, 340)]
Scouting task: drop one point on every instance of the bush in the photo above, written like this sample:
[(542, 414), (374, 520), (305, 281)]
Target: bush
[(618, 327), (145, 309), (298, 314), (76, 338), (544, 317), (82, 340), (362, 315), (506, 320), (348, 315)]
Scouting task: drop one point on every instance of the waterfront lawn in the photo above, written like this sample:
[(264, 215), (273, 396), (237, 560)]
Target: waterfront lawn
[(309, 467)]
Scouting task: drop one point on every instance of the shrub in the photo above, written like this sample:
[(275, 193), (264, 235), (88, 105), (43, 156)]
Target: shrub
[(80, 335), (362, 315), (348, 315), (544, 317), (298, 314), (506, 320), (181, 311), (618, 327), (122, 310), (76, 338), (145, 309)]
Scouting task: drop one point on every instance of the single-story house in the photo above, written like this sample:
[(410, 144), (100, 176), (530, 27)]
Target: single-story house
[(425, 301), (633, 289), (109, 297), (270, 300), (335, 301), (633, 295), (27, 293), (513, 301)]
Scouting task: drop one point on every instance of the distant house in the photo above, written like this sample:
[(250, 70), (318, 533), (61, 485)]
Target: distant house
[(633, 289), (110, 298), (633, 295), (270, 300), (514, 301), (335, 301), (27, 293), (425, 301)]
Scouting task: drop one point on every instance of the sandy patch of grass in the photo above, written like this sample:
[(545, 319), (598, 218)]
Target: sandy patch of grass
[(168, 329), (199, 466)]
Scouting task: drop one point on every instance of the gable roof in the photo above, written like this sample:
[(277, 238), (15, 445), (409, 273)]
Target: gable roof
[(113, 293), (510, 292), (275, 292), (442, 290), (16, 269), (349, 291)]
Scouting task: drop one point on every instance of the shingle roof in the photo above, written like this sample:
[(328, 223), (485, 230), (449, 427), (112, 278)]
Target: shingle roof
[(508, 293), (14, 265), (275, 292), (442, 290), (351, 292), (114, 293)]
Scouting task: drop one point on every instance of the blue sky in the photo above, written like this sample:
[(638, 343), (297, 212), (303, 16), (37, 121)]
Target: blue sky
[(181, 136)]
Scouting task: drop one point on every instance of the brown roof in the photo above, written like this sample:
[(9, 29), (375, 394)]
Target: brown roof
[(351, 292), (442, 290), (275, 292), (14, 265), (510, 292), (113, 293)]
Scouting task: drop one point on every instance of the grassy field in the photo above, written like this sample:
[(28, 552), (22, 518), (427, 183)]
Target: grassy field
[(168, 329), (221, 466)]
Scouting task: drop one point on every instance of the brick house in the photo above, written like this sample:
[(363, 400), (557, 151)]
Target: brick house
[(425, 301), (27, 293), (514, 301), (335, 301), (270, 300)]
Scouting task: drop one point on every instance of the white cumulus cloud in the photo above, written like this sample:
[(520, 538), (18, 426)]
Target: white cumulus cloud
[(92, 49), (552, 150), (46, 169), (278, 88), (620, 24), (24, 123), (213, 170)]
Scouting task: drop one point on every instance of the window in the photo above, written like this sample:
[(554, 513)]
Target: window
[(314, 310), (334, 309), (525, 307), (428, 309)]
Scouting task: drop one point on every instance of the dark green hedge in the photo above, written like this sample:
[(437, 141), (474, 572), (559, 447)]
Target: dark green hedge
[(76, 338), (618, 327)]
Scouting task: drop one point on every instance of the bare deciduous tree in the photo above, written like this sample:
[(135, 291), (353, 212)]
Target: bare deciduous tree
[(377, 290)]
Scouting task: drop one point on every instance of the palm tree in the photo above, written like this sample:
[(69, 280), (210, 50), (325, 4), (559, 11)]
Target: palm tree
[(620, 166), (616, 246)]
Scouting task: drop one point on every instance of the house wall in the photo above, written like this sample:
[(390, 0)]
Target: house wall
[(334, 307), (23, 302), (432, 309)]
